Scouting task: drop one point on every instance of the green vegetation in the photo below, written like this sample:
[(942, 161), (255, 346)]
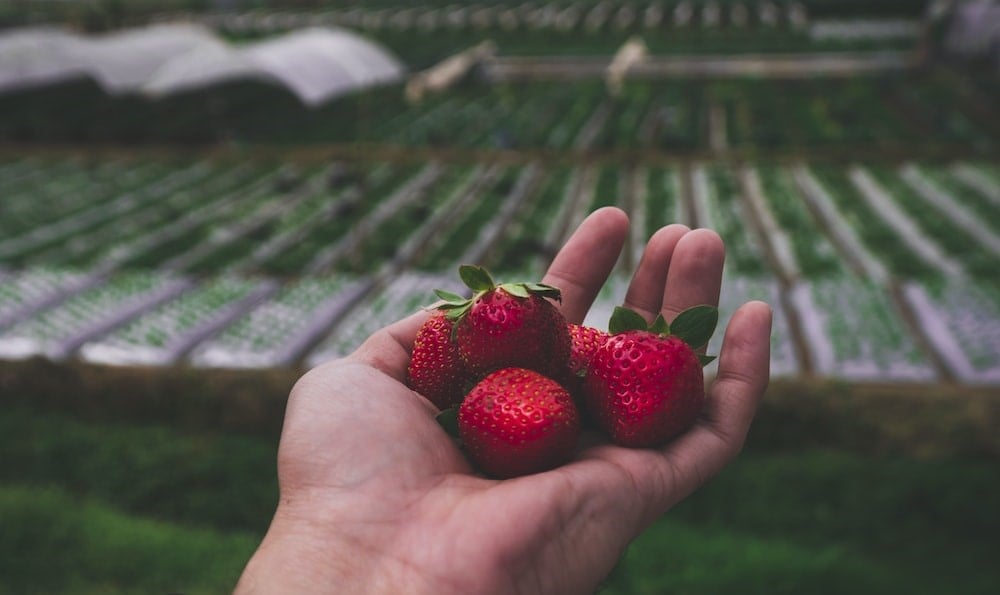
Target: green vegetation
[(975, 257), (824, 522), (219, 481), (880, 239), (464, 231), (54, 542), (967, 198), (341, 215), (814, 254), (743, 254), (608, 189), (523, 250), (893, 112), (101, 507), (661, 199)]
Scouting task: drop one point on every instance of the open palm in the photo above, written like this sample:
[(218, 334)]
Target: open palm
[(375, 497)]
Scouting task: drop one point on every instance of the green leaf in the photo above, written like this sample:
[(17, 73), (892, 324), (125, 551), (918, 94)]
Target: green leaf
[(706, 359), (540, 287), (545, 291), (449, 297), (438, 305), (516, 289), (476, 278), (695, 325), (623, 319), (448, 419), (660, 326), (455, 312)]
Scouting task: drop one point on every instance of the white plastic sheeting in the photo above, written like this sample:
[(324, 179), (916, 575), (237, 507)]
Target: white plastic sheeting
[(315, 64), (119, 62), (36, 56)]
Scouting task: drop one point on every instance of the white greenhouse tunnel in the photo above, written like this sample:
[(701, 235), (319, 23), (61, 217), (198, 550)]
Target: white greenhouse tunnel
[(315, 64)]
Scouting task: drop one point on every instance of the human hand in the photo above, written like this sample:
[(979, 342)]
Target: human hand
[(375, 496)]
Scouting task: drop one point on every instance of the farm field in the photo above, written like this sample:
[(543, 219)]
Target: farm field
[(263, 263), (170, 265)]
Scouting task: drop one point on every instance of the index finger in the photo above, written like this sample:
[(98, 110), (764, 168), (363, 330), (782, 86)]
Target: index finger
[(582, 266)]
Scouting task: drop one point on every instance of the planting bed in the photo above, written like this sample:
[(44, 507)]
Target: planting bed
[(166, 333), (403, 296), (854, 332), (58, 332), (963, 322), (281, 330), (737, 291)]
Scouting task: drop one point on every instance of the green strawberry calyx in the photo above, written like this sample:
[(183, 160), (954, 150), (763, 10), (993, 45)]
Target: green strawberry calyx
[(448, 420), (481, 282), (694, 326)]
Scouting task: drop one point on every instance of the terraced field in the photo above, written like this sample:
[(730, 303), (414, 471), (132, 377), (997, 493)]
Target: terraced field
[(876, 273)]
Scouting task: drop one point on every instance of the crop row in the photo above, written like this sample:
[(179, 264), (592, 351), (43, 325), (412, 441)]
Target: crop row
[(915, 222), (850, 327), (448, 13), (233, 321), (854, 331), (765, 114), (561, 16), (674, 116), (401, 297), (281, 330), (681, 26), (60, 331), (784, 227)]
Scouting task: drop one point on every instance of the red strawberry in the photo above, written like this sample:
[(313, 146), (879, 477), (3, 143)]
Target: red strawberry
[(516, 421), (584, 341), (645, 384), (436, 371), (508, 325)]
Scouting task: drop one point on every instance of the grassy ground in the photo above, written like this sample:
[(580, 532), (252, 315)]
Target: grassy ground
[(109, 507)]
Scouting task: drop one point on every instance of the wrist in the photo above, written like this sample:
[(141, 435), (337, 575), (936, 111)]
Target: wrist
[(307, 555)]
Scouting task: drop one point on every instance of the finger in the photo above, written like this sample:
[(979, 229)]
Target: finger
[(389, 348), (695, 274), (731, 402), (744, 372), (582, 266), (645, 292)]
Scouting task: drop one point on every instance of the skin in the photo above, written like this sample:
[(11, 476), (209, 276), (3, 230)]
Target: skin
[(375, 498)]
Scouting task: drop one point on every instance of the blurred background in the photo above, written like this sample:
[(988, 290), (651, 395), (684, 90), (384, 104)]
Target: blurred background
[(201, 199)]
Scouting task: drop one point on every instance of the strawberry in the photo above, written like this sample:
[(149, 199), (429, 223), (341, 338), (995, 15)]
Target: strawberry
[(507, 325), (645, 384), (436, 371), (584, 341), (516, 421)]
